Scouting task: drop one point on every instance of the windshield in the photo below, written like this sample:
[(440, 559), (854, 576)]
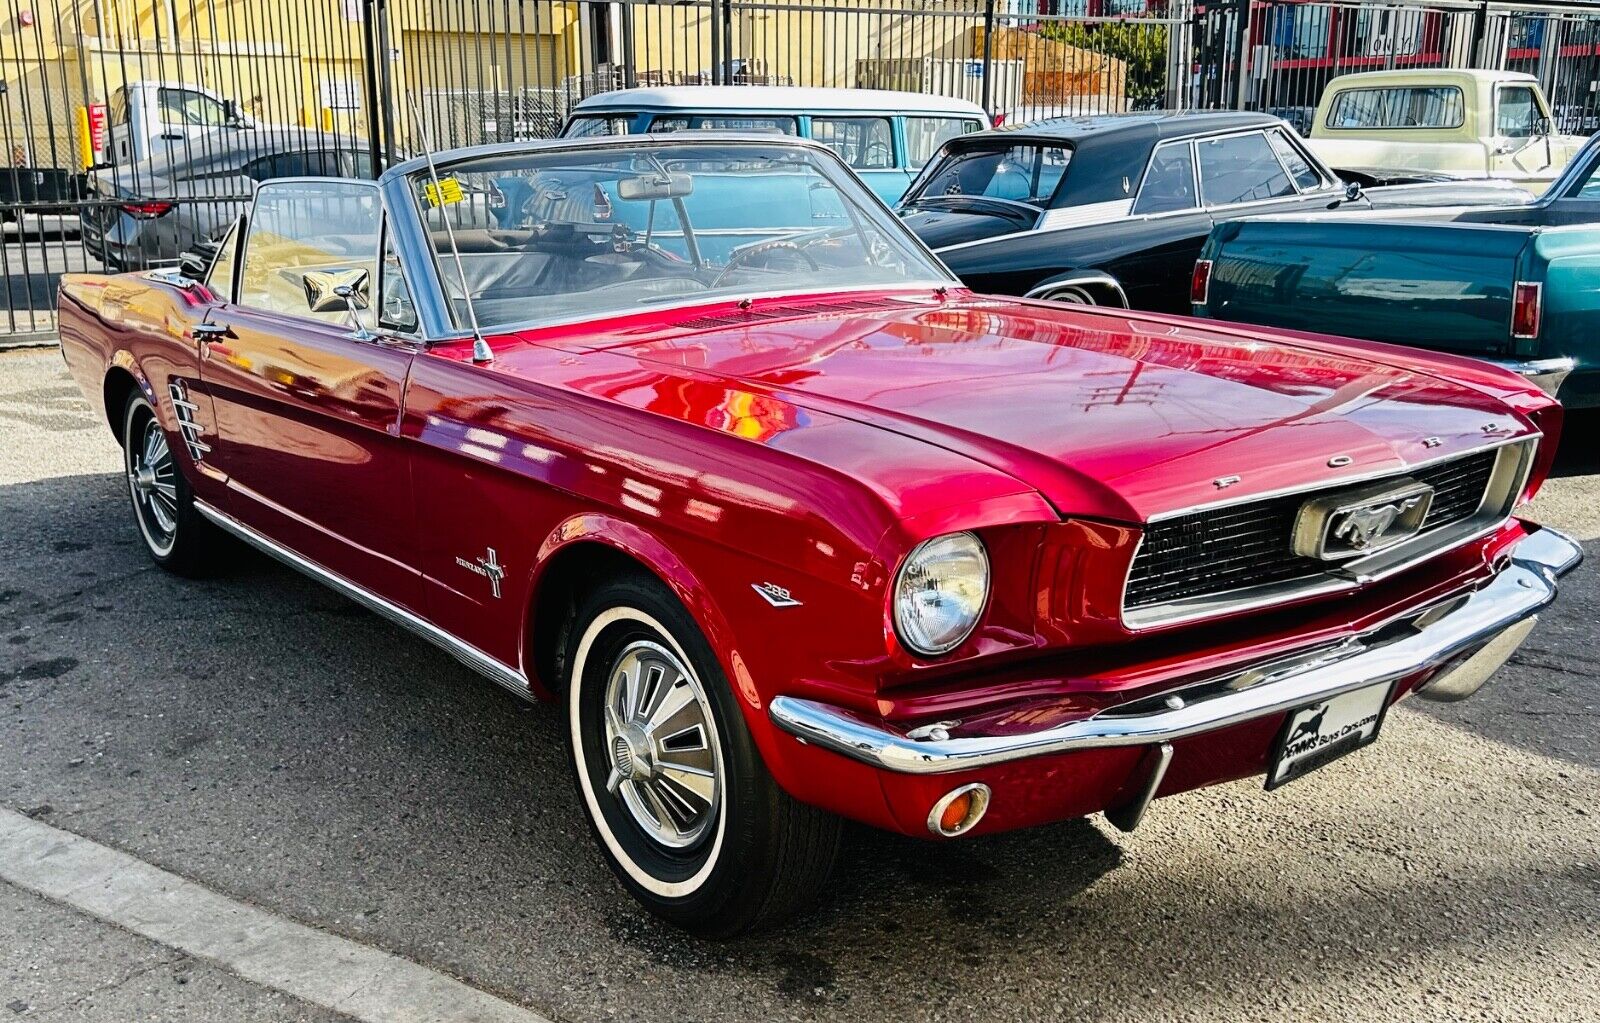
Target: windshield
[(547, 235), (1027, 173)]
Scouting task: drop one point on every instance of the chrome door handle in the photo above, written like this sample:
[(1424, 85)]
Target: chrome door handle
[(206, 333)]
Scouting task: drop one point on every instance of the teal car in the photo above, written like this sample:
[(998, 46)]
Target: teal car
[(884, 136), (1518, 285)]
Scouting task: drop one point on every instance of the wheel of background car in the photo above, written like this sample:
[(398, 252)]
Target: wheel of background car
[(679, 800), (176, 536), (1071, 295), (741, 255)]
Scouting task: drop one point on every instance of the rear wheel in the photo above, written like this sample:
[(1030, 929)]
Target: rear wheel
[(175, 535), (1071, 296), (680, 802)]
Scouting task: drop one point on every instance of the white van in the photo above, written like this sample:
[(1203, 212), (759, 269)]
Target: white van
[(147, 118)]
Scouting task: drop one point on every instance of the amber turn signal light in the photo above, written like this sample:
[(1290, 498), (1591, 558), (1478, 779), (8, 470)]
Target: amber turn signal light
[(959, 810)]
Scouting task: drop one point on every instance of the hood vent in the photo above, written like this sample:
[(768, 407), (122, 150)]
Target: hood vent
[(781, 311)]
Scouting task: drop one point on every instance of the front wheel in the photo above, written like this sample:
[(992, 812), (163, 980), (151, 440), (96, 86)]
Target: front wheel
[(175, 535), (678, 797)]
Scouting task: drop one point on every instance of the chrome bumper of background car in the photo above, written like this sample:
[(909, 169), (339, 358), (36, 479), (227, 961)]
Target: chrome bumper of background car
[(1545, 374), (1467, 636)]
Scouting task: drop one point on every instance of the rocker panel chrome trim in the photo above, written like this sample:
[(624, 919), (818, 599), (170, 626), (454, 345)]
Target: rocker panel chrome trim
[(466, 653), (1442, 632)]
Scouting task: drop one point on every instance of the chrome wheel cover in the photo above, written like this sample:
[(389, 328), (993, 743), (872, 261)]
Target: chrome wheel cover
[(153, 481), (661, 745)]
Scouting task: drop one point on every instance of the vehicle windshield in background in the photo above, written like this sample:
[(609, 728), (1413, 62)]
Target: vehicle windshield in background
[(546, 235), (1027, 174), (590, 125), (779, 123)]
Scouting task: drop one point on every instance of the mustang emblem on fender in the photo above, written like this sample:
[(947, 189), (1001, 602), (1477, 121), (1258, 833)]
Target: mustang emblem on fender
[(1363, 527)]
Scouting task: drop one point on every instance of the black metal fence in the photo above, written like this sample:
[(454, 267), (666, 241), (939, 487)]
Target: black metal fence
[(1279, 55), (133, 129)]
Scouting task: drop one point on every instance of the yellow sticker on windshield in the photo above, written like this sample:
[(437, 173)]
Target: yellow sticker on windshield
[(443, 192)]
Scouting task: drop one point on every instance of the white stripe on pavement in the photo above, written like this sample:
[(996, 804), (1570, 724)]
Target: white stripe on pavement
[(311, 965)]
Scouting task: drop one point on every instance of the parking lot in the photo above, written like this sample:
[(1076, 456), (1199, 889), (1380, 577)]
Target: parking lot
[(284, 749)]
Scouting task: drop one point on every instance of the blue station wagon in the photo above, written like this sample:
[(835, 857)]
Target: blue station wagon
[(886, 137)]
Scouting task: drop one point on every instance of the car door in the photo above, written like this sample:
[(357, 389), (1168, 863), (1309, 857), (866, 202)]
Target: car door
[(308, 404), (1521, 143), (1163, 235)]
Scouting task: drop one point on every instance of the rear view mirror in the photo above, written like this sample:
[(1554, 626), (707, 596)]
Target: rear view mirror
[(1542, 126), (333, 291), (655, 186)]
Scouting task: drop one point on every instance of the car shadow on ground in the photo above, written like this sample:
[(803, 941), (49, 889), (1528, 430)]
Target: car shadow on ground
[(1579, 454), (264, 736)]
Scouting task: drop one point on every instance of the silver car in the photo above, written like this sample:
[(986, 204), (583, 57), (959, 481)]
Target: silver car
[(149, 213)]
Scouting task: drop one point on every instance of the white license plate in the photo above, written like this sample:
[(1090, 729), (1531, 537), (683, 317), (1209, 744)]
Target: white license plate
[(1324, 732)]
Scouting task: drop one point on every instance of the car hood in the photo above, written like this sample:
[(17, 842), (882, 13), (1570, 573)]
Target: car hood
[(975, 220), (1106, 413)]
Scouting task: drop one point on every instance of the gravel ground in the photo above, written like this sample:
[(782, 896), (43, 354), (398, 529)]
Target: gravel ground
[(266, 738)]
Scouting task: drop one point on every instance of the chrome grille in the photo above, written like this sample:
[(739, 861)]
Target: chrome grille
[(1248, 546)]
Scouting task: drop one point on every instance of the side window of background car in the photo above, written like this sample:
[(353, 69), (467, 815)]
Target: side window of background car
[(1516, 112), (865, 143), (1240, 168), (1299, 168), (1169, 183), (924, 136), (327, 229)]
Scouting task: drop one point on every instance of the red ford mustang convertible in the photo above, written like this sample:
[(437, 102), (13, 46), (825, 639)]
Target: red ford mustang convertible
[(695, 438)]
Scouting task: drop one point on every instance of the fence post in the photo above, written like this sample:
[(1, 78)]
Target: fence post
[(1241, 45), (386, 82), (716, 41), (625, 26), (1480, 23), (1180, 53), (370, 65), (988, 57)]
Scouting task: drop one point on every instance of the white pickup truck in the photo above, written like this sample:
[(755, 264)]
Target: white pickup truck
[(155, 118), (1388, 127)]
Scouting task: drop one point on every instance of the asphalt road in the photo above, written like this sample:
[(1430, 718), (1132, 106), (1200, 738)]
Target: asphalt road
[(275, 743)]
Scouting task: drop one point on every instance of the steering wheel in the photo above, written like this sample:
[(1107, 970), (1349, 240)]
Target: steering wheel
[(742, 255)]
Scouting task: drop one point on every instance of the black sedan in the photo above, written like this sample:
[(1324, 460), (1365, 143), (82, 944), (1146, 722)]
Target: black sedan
[(1113, 209)]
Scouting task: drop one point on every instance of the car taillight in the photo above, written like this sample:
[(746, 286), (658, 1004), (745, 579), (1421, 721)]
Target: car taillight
[(1526, 300), (999, 119), (147, 210), (1200, 283)]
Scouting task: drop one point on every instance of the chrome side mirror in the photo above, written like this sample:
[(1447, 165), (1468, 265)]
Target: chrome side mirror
[(329, 291), (1352, 191)]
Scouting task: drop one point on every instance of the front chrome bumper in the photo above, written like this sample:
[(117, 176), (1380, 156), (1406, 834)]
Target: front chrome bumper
[(1466, 637)]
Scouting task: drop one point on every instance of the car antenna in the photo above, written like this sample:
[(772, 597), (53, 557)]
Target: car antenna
[(481, 352)]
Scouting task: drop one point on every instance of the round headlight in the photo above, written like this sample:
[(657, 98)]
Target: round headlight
[(939, 593)]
